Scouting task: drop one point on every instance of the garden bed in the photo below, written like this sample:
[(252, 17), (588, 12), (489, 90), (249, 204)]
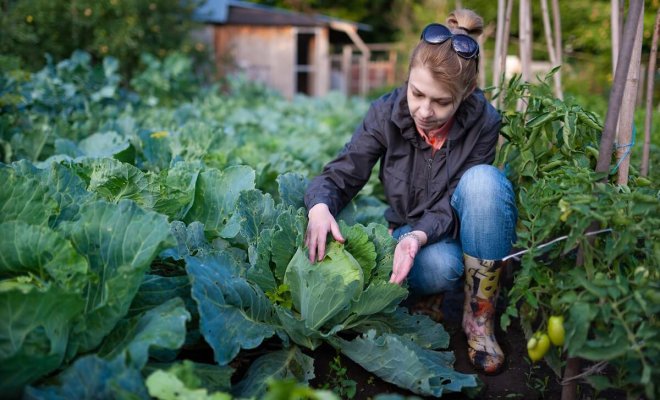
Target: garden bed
[(518, 380)]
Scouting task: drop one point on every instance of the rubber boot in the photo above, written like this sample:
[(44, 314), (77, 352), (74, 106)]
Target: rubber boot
[(481, 290)]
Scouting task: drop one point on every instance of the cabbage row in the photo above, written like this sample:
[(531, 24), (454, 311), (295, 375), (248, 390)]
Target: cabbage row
[(135, 234)]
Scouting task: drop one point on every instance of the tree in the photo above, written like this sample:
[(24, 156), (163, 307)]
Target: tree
[(120, 28)]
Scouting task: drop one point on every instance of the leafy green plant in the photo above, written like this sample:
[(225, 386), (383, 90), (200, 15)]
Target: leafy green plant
[(610, 303), (346, 293), (169, 81), (216, 183), (539, 385), (68, 282), (65, 100), (339, 382), (121, 29)]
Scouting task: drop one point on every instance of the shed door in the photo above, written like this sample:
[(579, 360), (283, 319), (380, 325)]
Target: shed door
[(306, 60)]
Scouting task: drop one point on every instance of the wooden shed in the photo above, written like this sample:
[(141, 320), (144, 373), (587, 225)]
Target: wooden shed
[(292, 52)]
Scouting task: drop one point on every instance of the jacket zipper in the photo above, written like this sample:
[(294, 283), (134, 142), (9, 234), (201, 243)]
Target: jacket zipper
[(429, 165)]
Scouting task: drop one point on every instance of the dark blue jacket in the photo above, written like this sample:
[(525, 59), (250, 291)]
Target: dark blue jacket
[(418, 185)]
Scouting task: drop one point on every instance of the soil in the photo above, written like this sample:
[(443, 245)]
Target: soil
[(517, 380)]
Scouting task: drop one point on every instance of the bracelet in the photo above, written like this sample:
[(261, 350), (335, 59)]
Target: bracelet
[(412, 235)]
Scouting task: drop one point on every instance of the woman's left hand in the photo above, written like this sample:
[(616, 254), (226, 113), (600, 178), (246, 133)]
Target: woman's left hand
[(404, 255)]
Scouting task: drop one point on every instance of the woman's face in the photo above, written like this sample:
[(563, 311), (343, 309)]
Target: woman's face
[(430, 104)]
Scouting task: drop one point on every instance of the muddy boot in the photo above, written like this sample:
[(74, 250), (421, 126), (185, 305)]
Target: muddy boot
[(430, 305), (481, 290)]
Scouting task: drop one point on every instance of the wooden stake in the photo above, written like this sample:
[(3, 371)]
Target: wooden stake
[(548, 32), (488, 31), (572, 369), (559, 49), (525, 35), (525, 42), (506, 33), (616, 28), (616, 95), (504, 49), (556, 19), (626, 119), (650, 78), (552, 52), (499, 33), (640, 85)]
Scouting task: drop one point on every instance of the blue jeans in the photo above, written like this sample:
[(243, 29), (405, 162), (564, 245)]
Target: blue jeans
[(486, 207)]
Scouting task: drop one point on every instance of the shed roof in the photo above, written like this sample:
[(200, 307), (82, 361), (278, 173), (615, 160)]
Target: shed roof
[(244, 12)]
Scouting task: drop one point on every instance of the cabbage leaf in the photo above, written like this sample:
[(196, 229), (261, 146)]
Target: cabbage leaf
[(323, 289), (404, 363)]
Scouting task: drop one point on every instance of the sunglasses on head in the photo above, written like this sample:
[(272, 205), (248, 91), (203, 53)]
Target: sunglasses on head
[(463, 45)]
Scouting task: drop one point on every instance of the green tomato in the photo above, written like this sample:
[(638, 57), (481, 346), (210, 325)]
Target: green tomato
[(556, 330), (538, 345)]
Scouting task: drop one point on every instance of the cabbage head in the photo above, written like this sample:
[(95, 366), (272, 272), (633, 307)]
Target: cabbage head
[(321, 290)]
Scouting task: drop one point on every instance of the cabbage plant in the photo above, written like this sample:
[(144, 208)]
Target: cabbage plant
[(345, 300)]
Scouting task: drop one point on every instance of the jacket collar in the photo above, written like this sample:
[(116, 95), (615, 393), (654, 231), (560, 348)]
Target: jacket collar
[(469, 111)]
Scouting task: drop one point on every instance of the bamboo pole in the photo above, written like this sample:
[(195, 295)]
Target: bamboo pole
[(525, 40), (559, 48), (650, 78), (552, 52), (616, 95), (499, 33), (615, 21), (548, 32), (525, 35), (505, 36), (569, 389), (487, 32), (626, 119), (504, 49), (640, 91), (482, 60)]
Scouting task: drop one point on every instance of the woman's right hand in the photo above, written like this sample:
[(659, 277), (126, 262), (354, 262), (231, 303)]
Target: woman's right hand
[(320, 223)]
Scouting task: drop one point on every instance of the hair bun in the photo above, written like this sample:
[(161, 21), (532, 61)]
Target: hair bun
[(467, 21)]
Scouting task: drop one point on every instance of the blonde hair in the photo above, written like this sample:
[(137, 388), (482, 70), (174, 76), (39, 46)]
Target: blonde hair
[(457, 74)]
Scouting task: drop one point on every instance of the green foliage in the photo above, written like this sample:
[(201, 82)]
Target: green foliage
[(166, 385), (61, 101), (421, 370), (321, 291), (216, 180), (66, 281), (609, 297), (289, 389), (119, 28), (339, 382), (170, 80)]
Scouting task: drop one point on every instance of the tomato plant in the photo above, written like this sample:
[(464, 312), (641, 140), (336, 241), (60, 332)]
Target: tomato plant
[(610, 302)]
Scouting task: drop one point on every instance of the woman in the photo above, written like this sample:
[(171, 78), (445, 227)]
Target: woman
[(451, 211)]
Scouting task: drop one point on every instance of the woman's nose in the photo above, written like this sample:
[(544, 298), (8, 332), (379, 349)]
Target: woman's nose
[(425, 110)]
